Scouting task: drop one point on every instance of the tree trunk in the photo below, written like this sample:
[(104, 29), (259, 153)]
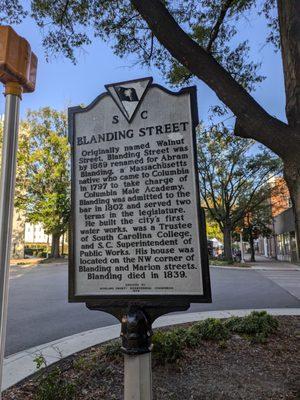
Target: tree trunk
[(251, 243), (289, 22), (227, 243), (55, 246), (292, 177)]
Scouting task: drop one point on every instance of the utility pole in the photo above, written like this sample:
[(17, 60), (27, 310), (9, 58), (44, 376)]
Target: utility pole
[(242, 248), (18, 74)]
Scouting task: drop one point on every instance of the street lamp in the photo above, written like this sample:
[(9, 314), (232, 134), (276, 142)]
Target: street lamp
[(18, 65)]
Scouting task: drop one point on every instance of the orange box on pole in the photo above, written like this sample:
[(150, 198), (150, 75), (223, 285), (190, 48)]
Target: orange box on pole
[(17, 62)]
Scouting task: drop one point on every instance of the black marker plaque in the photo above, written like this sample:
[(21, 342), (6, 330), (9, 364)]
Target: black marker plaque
[(137, 232)]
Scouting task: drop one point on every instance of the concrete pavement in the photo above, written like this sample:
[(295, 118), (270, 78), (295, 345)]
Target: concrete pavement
[(39, 312), (288, 281), (266, 263)]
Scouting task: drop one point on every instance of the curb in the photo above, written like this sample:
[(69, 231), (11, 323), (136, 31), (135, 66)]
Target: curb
[(229, 267), (257, 268), (21, 365)]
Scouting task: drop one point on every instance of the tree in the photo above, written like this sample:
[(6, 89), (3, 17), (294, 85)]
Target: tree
[(43, 177), (198, 36), (233, 179), (255, 224), (213, 229), (20, 186), (259, 222)]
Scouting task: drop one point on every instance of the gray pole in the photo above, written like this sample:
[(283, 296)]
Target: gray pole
[(137, 377), (136, 333), (242, 248), (7, 190)]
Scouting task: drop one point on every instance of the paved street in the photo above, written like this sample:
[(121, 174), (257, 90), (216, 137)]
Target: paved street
[(39, 312), (290, 282)]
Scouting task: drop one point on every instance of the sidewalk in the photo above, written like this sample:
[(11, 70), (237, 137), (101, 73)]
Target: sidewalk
[(269, 263), (21, 365)]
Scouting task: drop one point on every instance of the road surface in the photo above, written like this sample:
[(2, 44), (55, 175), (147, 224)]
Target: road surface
[(39, 312)]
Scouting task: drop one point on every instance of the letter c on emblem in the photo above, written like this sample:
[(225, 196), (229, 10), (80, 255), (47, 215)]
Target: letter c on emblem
[(144, 114)]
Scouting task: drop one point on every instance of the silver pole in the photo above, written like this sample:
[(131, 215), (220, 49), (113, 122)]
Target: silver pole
[(242, 248), (7, 190), (137, 377)]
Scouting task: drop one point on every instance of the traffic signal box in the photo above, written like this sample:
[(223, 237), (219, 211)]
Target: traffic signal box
[(17, 62)]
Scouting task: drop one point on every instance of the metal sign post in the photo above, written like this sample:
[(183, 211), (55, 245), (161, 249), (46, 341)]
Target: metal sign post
[(7, 188), (242, 248), (137, 377), (18, 75), (136, 336), (138, 245)]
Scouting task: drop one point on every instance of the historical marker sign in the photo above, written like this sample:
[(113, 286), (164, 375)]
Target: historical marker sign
[(137, 229)]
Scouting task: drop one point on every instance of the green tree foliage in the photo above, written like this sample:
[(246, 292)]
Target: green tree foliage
[(187, 39), (213, 229), (233, 178), (211, 23), (43, 176), (21, 156)]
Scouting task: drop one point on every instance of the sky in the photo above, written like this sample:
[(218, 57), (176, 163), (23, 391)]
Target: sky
[(60, 84)]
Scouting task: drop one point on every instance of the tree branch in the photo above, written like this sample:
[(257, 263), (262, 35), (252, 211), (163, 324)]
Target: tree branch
[(215, 31), (253, 120)]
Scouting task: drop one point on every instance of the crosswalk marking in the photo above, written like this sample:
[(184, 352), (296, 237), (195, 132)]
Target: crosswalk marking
[(288, 280)]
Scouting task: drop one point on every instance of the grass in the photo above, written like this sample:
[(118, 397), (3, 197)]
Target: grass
[(54, 260), (52, 386), (25, 261), (224, 263), (257, 326), (168, 347), (113, 349)]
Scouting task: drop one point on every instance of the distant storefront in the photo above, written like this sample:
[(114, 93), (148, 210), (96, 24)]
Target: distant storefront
[(267, 246), (281, 245), (284, 229)]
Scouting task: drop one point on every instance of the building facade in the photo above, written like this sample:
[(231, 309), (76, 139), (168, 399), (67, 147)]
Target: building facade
[(284, 229), (34, 233), (282, 244), (17, 237)]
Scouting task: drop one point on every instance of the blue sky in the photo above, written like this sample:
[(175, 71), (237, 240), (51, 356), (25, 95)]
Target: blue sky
[(61, 84)]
